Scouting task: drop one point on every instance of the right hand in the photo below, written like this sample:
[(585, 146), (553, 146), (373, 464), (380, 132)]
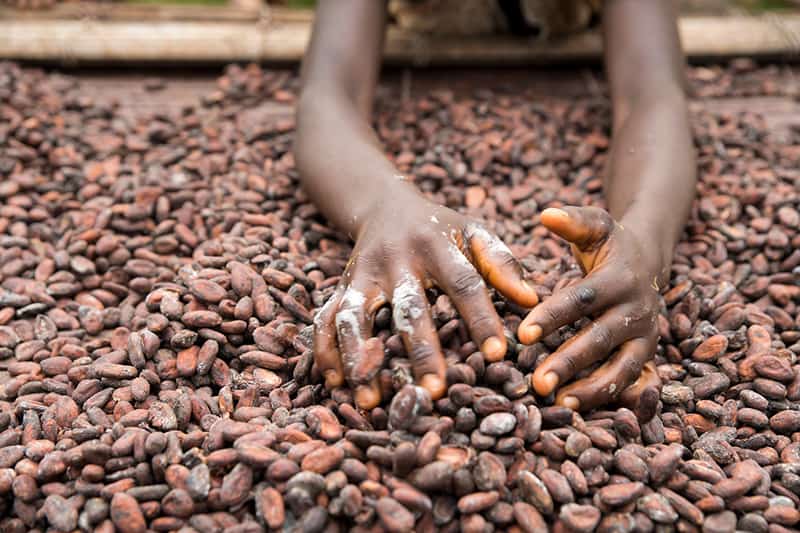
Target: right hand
[(401, 250)]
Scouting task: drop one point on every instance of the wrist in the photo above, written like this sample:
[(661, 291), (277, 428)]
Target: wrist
[(390, 198), (657, 244)]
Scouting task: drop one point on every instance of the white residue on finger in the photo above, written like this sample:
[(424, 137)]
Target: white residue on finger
[(455, 252), (405, 303), (493, 244), (420, 399), (318, 324), (346, 318), (458, 256), (596, 325)]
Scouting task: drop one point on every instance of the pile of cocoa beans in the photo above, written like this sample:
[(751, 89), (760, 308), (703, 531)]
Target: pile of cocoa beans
[(159, 278)]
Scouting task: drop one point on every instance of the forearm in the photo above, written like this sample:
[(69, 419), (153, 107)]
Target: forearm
[(342, 166), (650, 178)]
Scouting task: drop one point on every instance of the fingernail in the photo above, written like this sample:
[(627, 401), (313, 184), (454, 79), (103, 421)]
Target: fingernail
[(554, 211), (547, 383), (571, 402), (493, 347), (433, 384), (532, 296), (528, 285), (332, 379), (530, 334), (366, 397)]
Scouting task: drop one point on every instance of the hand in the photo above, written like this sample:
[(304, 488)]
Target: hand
[(401, 250), (621, 294)]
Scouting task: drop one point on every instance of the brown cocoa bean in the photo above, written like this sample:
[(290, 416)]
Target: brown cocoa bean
[(126, 515)]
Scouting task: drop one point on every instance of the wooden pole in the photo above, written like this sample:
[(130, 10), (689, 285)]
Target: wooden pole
[(278, 37)]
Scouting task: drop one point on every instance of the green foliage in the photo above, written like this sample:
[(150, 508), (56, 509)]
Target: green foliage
[(766, 5), (301, 3)]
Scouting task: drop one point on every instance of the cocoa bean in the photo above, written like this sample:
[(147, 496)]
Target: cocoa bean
[(580, 517), (126, 514), (157, 364), (393, 516), (528, 518)]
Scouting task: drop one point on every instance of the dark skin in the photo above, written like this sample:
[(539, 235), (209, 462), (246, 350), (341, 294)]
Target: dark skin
[(404, 243)]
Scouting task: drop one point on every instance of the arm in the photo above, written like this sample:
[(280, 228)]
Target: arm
[(626, 254), (404, 243), (650, 180), (339, 75)]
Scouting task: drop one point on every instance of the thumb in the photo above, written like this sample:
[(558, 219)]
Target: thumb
[(585, 227)]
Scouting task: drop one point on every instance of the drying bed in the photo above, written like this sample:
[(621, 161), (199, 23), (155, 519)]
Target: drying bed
[(159, 277)]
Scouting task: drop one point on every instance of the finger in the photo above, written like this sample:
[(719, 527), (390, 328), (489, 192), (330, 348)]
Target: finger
[(354, 321), (585, 227), (354, 324), (369, 362), (466, 288), (326, 350), (606, 384), (584, 298), (412, 319), (368, 396), (500, 268), (642, 397), (592, 344)]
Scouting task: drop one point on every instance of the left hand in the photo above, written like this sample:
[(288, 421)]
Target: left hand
[(620, 292)]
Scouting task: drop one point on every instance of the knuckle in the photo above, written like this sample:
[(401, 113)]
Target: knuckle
[(643, 317), (423, 354), (602, 218), (601, 334), (496, 244), (474, 228), (467, 284), (370, 259), (406, 310), (582, 296), (509, 262), (323, 322), (631, 370), (605, 223), (550, 314), (327, 310), (483, 323), (406, 313), (569, 363), (634, 316), (347, 321)]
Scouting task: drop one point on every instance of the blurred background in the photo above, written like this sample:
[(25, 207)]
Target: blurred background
[(70, 32), (704, 6)]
